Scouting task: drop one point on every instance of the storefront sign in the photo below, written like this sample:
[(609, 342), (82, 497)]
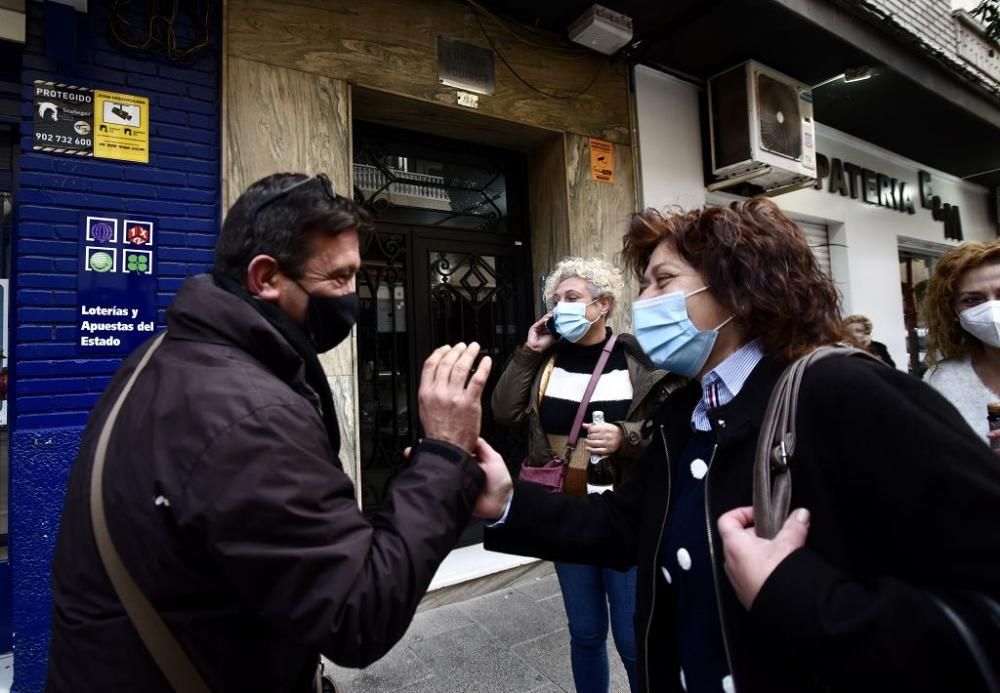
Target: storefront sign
[(466, 66), (63, 118), (121, 127), (116, 285), (879, 189), (947, 213), (602, 160)]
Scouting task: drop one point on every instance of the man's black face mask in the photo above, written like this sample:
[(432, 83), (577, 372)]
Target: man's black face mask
[(329, 319)]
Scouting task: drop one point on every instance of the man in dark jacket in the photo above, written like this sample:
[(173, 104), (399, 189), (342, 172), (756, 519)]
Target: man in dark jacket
[(223, 491)]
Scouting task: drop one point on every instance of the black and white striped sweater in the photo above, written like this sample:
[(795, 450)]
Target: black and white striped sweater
[(568, 382)]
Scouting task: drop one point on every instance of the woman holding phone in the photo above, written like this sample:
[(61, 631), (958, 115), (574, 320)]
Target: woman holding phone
[(544, 383)]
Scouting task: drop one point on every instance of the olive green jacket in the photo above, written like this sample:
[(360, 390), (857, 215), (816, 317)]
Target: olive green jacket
[(516, 397)]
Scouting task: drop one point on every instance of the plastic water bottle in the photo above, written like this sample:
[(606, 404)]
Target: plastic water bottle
[(600, 471), (597, 418)]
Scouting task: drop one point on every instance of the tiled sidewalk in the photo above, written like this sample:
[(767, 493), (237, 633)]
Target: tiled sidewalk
[(510, 641)]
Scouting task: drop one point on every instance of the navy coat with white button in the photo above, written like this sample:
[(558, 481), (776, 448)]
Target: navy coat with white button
[(905, 501)]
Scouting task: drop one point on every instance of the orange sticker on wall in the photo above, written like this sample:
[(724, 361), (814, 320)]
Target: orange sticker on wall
[(602, 160)]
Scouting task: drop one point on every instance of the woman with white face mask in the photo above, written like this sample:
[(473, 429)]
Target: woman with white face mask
[(962, 309), (544, 383), (895, 501)]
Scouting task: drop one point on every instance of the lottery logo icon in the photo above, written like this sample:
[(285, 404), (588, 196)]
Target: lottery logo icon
[(102, 230), (138, 261), (101, 262), (138, 235), (138, 232)]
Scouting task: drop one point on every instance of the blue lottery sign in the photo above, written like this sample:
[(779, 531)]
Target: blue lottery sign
[(116, 283)]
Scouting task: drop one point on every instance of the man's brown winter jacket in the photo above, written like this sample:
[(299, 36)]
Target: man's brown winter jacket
[(226, 505)]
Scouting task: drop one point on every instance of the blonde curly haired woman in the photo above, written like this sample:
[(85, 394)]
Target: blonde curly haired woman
[(962, 308), (544, 383)]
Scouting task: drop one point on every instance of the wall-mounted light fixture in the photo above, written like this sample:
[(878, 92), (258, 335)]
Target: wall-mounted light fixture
[(853, 74)]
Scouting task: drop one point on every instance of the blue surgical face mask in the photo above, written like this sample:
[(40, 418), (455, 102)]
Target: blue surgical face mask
[(571, 320), (667, 335)]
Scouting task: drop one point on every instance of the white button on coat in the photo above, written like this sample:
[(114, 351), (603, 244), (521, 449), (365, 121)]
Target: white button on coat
[(684, 684), (699, 468), (666, 575), (684, 559), (727, 685)]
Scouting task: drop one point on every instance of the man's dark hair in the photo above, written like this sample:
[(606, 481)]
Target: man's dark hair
[(283, 227)]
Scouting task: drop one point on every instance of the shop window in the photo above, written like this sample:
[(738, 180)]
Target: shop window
[(916, 262)]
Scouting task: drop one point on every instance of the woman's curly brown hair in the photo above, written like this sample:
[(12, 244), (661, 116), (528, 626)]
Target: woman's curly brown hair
[(945, 337), (756, 263)]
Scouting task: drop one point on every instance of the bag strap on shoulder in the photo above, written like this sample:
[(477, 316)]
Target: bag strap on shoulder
[(574, 433), (543, 382), (772, 482), (156, 636)]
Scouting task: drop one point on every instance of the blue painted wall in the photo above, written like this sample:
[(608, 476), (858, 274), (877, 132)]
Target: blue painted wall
[(53, 389)]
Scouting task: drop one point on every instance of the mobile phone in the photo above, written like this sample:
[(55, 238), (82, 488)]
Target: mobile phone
[(550, 325)]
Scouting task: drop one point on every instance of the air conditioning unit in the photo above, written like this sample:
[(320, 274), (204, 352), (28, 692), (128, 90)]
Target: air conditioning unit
[(762, 129)]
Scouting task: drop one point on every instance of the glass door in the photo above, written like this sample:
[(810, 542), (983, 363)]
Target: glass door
[(448, 262), (420, 289), (386, 360), (469, 291), (914, 271)]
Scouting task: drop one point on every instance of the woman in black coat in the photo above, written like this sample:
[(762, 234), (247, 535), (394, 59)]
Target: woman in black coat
[(897, 503), (859, 329)]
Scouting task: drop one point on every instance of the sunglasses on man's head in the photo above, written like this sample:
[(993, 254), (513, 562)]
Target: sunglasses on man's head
[(321, 177)]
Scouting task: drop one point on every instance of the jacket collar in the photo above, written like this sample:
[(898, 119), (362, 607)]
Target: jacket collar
[(744, 414), (737, 420), (204, 312)]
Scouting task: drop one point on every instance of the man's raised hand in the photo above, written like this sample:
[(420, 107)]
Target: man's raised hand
[(450, 394)]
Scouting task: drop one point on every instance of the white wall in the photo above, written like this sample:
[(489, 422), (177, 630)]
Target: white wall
[(670, 162), (866, 268)]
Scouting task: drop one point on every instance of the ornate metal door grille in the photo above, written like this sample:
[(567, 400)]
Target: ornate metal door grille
[(475, 296), (442, 267), (384, 362)]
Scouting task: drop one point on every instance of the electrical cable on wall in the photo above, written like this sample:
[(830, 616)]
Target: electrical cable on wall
[(551, 47), (529, 85), (158, 33)]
